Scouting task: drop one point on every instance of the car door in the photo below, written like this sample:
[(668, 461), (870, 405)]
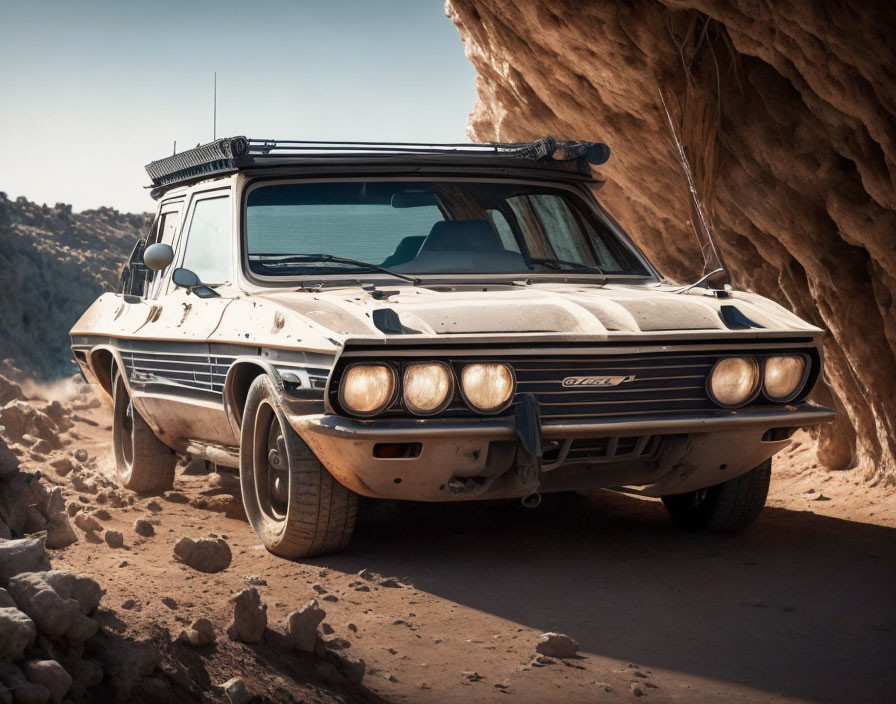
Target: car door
[(176, 382)]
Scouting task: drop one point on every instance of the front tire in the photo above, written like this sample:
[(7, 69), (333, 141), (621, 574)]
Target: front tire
[(294, 504), (729, 507), (143, 463)]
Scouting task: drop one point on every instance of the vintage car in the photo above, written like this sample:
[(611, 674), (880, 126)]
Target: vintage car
[(431, 323)]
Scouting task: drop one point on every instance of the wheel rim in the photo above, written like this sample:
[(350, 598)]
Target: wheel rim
[(699, 497), (125, 436), (271, 465)]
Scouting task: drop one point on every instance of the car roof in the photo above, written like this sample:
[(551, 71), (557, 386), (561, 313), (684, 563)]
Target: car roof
[(569, 160)]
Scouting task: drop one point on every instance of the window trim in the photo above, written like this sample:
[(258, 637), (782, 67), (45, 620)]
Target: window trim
[(159, 284), (183, 230), (584, 194)]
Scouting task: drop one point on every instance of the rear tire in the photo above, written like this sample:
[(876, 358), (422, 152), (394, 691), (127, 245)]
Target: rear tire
[(729, 507), (294, 504), (143, 463)]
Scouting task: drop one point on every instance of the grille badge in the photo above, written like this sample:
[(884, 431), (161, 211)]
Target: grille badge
[(597, 381)]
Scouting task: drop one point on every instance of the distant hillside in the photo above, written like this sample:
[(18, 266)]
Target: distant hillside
[(53, 263)]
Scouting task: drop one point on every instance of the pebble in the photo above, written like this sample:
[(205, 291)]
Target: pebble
[(87, 523), (143, 527), (114, 539)]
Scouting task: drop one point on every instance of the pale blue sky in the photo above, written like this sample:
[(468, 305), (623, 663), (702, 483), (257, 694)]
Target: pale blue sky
[(91, 91)]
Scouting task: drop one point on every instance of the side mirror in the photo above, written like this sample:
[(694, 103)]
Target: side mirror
[(185, 278), (158, 256), (188, 279)]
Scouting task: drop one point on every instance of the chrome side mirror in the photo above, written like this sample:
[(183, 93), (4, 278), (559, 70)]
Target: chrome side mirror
[(158, 256)]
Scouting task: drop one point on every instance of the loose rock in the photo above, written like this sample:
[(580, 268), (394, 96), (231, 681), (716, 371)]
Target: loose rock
[(557, 645), (250, 617), (25, 555), (114, 539), (81, 455), (18, 632), (25, 692), (205, 554), (51, 675), (88, 523), (353, 669), (58, 603), (301, 626), (201, 632), (144, 528), (62, 465), (60, 533), (236, 691)]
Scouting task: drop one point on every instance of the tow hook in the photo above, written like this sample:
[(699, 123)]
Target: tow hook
[(532, 500)]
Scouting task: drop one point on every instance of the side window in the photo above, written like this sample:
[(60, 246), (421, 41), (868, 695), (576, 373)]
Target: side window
[(504, 230), (168, 222), (207, 251), (565, 233)]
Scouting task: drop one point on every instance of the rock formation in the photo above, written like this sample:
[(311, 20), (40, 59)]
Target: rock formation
[(55, 263), (786, 111)]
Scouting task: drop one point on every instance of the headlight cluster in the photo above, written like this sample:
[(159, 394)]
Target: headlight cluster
[(735, 381), (426, 388)]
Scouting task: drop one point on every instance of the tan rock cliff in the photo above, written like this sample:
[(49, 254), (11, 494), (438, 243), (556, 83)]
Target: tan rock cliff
[(787, 112)]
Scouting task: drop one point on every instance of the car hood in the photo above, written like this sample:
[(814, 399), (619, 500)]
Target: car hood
[(554, 310)]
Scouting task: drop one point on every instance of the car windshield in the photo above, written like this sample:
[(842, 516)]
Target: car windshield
[(429, 227)]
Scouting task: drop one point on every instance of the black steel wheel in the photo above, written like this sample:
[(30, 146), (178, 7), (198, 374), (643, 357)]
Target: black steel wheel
[(143, 463), (294, 504), (729, 507)]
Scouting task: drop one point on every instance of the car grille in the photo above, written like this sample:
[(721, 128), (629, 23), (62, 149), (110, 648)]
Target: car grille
[(653, 384), (608, 449)]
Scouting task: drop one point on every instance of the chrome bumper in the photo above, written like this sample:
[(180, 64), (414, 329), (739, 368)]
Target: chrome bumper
[(699, 451)]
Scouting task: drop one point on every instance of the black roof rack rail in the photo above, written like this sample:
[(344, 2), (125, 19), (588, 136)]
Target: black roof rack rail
[(233, 153)]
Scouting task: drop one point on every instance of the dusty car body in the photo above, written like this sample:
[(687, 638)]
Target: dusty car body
[(611, 375)]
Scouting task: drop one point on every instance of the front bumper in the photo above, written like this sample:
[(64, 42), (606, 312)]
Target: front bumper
[(479, 454)]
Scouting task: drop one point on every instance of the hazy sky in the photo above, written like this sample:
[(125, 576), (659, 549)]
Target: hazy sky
[(91, 91)]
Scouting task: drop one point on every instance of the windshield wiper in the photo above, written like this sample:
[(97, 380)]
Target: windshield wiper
[(330, 258), (563, 265)]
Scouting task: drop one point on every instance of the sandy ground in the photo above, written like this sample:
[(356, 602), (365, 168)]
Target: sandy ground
[(802, 607)]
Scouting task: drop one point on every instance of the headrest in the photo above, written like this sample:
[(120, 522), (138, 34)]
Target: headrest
[(462, 236)]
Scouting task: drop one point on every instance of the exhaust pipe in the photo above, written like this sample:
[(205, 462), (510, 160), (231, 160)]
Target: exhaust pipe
[(533, 500)]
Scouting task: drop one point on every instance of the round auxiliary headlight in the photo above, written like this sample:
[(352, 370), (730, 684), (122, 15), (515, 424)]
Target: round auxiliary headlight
[(783, 376), (733, 381), (488, 388), (427, 387), (366, 389)]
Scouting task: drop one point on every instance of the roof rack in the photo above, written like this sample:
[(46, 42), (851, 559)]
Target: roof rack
[(234, 153)]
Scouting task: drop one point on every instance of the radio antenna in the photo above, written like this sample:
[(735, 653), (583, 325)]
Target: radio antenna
[(215, 106), (713, 266)]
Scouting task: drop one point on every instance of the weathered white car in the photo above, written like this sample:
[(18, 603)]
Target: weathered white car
[(433, 323)]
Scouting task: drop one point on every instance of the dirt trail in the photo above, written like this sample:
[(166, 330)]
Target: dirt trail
[(801, 607)]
